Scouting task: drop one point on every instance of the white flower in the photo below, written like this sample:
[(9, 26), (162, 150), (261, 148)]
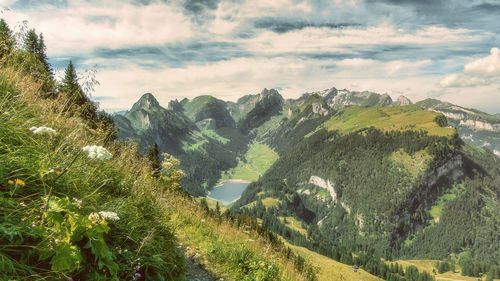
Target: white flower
[(43, 130), (97, 152), (109, 215)]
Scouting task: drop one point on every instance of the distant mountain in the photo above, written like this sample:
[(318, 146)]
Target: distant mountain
[(207, 143), (338, 98), (208, 112), (269, 103), (474, 126), (148, 123), (357, 171)]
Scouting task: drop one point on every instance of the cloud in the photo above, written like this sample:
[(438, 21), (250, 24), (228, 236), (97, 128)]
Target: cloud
[(482, 71), (285, 25), (82, 26), (457, 80), (488, 66)]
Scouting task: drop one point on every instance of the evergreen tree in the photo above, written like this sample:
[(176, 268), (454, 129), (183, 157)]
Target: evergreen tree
[(71, 86), (31, 42), (6, 41), (154, 160), (41, 55)]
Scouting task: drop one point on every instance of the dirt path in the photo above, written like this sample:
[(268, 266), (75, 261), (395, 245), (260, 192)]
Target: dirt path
[(195, 272)]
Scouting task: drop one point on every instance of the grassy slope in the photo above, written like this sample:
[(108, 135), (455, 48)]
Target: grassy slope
[(393, 118), (294, 224), (429, 265), (148, 209), (329, 269), (259, 158)]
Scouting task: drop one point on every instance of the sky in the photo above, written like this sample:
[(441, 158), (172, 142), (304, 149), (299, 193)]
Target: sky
[(443, 49)]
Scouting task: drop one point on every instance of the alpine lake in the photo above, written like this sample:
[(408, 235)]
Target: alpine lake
[(229, 191)]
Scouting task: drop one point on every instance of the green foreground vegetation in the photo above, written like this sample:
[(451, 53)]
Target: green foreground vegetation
[(78, 205)]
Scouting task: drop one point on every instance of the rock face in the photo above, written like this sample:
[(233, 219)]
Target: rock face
[(480, 125), (318, 109), (451, 169), (402, 101), (474, 126), (339, 98), (319, 182), (270, 103), (148, 123)]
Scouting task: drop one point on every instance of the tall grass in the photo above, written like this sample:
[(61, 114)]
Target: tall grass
[(51, 194)]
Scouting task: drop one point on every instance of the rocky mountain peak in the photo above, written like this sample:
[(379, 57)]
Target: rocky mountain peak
[(147, 101), (402, 101)]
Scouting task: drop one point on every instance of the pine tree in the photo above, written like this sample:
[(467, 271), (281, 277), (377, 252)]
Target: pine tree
[(154, 160), (71, 86), (6, 40), (31, 42), (41, 55)]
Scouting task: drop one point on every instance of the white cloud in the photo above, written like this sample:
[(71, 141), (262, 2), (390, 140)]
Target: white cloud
[(488, 66), (324, 39), (457, 80), (482, 71), (85, 25)]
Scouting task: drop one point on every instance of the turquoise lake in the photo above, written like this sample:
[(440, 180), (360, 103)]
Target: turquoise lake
[(228, 192)]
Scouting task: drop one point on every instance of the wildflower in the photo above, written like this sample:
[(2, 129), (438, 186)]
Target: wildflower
[(97, 152), (11, 182), (138, 275), (77, 202), (43, 130), (19, 182), (109, 215), (94, 218)]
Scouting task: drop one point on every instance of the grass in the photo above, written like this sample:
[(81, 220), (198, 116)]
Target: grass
[(415, 164), (437, 208), (394, 118), (329, 269), (67, 238), (294, 224), (259, 158), (429, 265), (270, 202), (212, 134)]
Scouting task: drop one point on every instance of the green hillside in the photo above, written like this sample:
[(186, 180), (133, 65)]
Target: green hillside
[(76, 204), (394, 118), (255, 163)]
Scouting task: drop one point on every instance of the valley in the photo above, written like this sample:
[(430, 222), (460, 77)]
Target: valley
[(323, 168)]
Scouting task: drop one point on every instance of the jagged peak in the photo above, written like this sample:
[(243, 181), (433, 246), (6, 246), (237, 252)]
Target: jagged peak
[(266, 92), (145, 102), (402, 100)]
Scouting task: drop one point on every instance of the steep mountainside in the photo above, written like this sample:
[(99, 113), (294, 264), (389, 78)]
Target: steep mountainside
[(382, 180), (474, 126), (208, 112), (270, 103), (148, 123), (356, 173), (204, 152)]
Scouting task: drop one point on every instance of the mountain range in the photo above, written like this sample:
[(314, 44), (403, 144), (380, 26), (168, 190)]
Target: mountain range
[(357, 171)]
